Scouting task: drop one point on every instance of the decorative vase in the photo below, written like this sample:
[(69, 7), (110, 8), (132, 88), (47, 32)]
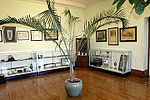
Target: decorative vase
[(74, 88)]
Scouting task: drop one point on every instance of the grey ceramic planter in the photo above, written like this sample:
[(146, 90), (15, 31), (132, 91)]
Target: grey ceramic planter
[(73, 89)]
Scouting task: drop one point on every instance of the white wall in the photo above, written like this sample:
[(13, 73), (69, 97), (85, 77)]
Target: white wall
[(137, 48), (21, 8)]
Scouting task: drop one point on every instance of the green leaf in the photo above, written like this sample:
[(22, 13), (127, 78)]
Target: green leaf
[(139, 6), (147, 3), (131, 2), (120, 3), (115, 1)]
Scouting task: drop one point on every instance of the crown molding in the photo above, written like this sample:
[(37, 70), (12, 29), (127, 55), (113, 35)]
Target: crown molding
[(62, 2)]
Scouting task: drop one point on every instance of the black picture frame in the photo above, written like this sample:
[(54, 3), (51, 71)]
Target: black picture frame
[(1, 39), (101, 35), (113, 38), (9, 34), (36, 35), (53, 35), (23, 35), (129, 34)]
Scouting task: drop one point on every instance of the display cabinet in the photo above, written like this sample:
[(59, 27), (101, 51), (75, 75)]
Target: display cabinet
[(50, 60), (82, 52), (27, 63), (118, 61), (13, 64)]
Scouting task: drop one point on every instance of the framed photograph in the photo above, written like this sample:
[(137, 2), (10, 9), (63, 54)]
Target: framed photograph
[(129, 34), (36, 35), (101, 36), (1, 36), (23, 35), (64, 62), (113, 36), (9, 34), (97, 53), (52, 35)]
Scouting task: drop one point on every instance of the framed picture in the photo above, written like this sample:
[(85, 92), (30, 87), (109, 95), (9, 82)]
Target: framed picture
[(1, 36), (64, 62), (113, 36), (36, 35), (97, 53), (9, 34), (52, 35), (23, 35), (101, 36), (129, 34)]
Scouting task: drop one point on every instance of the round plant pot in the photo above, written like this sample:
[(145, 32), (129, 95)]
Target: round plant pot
[(73, 89)]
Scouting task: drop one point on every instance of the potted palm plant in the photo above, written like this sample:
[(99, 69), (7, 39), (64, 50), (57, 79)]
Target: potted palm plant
[(49, 19)]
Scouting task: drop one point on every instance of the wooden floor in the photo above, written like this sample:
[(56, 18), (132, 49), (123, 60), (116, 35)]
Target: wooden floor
[(96, 86)]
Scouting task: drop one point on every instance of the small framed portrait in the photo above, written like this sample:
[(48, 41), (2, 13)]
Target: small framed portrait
[(52, 35), (1, 36), (36, 35), (64, 62), (113, 36), (129, 34), (101, 36), (97, 53), (23, 35), (9, 34)]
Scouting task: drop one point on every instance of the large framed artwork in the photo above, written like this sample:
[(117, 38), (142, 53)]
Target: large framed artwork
[(129, 34), (52, 35), (36, 35), (1, 36), (113, 36), (9, 34), (101, 35), (23, 35)]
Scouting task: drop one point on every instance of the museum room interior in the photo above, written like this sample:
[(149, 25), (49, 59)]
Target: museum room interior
[(74, 50)]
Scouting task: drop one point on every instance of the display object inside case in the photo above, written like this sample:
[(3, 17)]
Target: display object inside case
[(118, 61), (22, 63)]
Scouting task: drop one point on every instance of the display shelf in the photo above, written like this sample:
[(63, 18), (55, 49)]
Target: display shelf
[(20, 74), (57, 67), (110, 69), (118, 61), (26, 63)]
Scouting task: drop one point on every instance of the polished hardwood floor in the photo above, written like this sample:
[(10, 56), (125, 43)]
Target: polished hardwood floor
[(96, 86)]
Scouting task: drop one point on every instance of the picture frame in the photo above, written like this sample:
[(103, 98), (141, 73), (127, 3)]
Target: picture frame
[(101, 35), (64, 62), (9, 34), (1, 39), (129, 34), (53, 35), (23, 35), (97, 53), (113, 36), (36, 35)]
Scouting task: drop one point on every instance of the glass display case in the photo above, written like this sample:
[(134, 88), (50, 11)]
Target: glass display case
[(18, 63), (23, 63), (111, 60), (49, 60)]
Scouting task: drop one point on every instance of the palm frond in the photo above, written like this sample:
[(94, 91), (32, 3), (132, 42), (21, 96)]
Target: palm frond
[(105, 18), (27, 21)]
